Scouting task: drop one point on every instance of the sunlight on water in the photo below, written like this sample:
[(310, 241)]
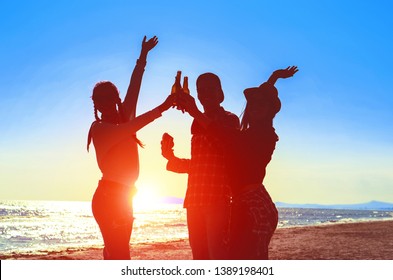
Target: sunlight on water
[(28, 225), (42, 226), (33, 226), (145, 199)]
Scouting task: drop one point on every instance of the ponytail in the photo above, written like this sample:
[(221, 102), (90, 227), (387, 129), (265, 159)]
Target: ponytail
[(96, 113)]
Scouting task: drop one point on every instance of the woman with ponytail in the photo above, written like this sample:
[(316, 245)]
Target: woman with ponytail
[(115, 142)]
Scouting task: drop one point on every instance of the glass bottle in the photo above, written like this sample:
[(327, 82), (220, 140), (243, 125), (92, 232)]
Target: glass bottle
[(176, 88), (185, 85)]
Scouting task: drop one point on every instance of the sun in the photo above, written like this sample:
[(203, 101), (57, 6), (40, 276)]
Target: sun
[(146, 197)]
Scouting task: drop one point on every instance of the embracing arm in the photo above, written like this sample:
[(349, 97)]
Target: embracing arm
[(131, 98)]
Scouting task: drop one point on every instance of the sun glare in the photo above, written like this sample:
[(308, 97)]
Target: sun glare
[(145, 197)]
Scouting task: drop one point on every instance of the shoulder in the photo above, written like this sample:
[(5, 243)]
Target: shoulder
[(231, 116), (231, 119), (96, 125), (270, 135), (102, 127)]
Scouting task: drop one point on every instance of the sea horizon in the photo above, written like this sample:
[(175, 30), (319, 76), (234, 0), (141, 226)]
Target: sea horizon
[(367, 205)]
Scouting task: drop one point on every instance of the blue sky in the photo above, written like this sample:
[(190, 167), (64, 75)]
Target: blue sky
[(336, 123)]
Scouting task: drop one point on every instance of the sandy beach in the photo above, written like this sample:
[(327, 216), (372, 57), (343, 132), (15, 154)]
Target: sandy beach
[(351, 241)]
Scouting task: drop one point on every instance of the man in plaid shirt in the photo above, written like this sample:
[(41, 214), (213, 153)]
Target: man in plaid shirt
[(208, 194)]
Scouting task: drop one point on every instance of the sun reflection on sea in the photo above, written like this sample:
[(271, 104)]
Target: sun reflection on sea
[(146, 198)]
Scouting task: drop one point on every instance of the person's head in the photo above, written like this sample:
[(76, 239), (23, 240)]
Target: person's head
[(262, 105), (209, 90), (106, 98)]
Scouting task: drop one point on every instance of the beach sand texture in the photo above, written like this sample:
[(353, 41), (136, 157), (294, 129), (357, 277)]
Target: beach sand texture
[(351, 241)]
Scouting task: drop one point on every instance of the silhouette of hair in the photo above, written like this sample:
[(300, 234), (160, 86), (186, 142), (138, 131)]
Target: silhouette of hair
[(96, 113), (105, 92), (214, 81), (244, 122), (265, 94)]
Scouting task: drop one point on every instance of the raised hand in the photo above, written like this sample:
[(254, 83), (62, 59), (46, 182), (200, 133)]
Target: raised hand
[(149, 45), (287, 72)]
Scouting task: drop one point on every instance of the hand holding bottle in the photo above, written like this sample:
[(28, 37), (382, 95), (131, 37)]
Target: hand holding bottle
[(177, 89), (187, 103)]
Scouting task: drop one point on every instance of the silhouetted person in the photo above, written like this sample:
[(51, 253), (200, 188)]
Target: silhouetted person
[(254, 216), (208, 194), (115, 143)]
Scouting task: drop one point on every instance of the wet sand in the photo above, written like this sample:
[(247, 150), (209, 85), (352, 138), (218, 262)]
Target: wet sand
[(351, 241)]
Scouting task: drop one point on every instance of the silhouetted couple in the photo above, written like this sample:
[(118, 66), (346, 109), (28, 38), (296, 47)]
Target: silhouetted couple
[(230, 215)]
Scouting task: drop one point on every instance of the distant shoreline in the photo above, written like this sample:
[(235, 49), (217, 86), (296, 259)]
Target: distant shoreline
[(371, 240), (371, 205)]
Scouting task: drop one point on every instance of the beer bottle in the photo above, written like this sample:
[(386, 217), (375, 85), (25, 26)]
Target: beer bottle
[(185, 85), (176, 88)]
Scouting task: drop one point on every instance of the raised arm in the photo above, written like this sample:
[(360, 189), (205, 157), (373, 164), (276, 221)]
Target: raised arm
[(282, 73), (131, 98)]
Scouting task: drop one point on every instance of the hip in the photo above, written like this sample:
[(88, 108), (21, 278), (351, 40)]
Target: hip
[(113, 196), (254, 198)]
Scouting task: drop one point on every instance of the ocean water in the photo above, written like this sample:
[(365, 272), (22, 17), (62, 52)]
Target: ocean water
[(34, 227)]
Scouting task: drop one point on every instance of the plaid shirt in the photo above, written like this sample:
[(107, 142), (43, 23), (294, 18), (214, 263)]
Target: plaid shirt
[(207, 173)]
